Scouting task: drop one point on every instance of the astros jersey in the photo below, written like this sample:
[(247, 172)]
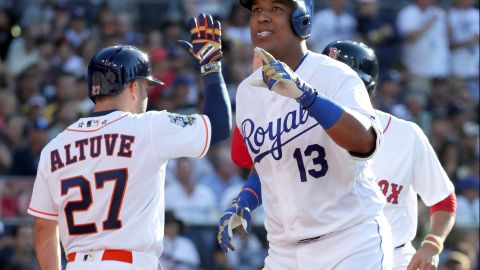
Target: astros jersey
[(310, 185), (103, 177), (405, 165)]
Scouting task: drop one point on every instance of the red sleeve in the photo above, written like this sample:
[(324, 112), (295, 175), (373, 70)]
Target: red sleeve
[(449, 204), (240, 155)]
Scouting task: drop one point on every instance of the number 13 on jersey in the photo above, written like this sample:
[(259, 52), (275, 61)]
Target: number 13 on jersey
[(317, 153)]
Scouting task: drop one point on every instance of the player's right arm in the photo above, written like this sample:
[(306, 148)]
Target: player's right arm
[(206, 48), (47, 248)]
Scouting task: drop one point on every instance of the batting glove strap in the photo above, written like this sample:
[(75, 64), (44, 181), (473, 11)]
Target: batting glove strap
[(211, 67), (308, 96)]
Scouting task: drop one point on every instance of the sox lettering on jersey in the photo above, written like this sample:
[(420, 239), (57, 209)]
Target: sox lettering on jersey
[(395, 191), (255, 136), (95, 142)]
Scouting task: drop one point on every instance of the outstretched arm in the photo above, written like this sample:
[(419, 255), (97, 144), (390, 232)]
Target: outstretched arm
[(47, 245), (206, 48)]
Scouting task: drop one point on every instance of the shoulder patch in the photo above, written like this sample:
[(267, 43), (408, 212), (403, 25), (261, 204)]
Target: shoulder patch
[(181, 120)]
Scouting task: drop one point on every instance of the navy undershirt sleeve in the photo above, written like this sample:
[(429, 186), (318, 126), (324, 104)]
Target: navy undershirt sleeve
[(217, 106)]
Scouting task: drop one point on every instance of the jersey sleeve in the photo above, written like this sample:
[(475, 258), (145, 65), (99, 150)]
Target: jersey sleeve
[(430, 180), (240, 155), (350, 92), (41, 203), (175, 135)]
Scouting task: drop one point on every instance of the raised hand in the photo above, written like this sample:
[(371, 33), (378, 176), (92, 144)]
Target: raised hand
[(278, 77), (205, 46)]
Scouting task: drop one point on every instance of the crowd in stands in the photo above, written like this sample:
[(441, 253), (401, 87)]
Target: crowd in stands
[(429, 74)]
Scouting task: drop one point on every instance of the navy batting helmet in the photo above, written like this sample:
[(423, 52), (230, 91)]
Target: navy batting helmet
[(111, 68), (301, 16), (359, 57)]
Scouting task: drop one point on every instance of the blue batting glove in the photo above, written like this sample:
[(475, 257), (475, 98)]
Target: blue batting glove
[(278, 77), (235, 215), (206, 44)]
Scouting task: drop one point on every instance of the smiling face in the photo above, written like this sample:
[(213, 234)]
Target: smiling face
[(270, 26)]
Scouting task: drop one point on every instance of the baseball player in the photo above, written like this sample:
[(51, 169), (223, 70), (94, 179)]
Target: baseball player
[(100, 183), (310, 139), (405, 165)]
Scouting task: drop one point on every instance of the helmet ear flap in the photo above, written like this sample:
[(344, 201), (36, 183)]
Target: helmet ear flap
[(302, 18)]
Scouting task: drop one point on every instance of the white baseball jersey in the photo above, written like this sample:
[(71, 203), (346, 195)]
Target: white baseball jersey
[(406, 165), (103, 178), (310, 185)]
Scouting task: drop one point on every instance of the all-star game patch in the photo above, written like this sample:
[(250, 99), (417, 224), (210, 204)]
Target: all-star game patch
[(181, 120)]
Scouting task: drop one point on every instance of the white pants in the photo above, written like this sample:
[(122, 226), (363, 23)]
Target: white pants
[(366, 246), (402, 256), (93, 260)]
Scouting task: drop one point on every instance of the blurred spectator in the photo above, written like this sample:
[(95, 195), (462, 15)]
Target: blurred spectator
[(25, 159), (456, 261), (249, 251), (468, 203), (46, 52), (28, 85), (124, 29), (61, 20), (423, 27), (449, 156), (22, 52), (192, 202), (237, 27), (377, 29), (20, 256), (388, 91), (5, 33), (162, 70), (78, 30), (67, 61), (13, 133), (66, 115), (225, 175), (5, 159), (8, 107), (64, 91), (83, 104), (464, 31), (333, 23), (179, 252), (414, 109), (215, 7), (184, 95)]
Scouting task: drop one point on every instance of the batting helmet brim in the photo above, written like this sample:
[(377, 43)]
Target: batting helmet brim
[(153, 81)]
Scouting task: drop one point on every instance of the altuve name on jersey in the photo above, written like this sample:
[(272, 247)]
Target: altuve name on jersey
[(113, 144)]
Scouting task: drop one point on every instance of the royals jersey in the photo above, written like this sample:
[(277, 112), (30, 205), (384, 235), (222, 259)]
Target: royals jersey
[(406, 165), (310, 185), (103, 178)]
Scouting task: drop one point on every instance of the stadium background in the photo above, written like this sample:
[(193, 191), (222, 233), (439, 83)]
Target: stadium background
[(46, 44)]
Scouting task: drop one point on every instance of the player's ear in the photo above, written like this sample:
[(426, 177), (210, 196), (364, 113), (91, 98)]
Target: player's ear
[(132, 89)]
